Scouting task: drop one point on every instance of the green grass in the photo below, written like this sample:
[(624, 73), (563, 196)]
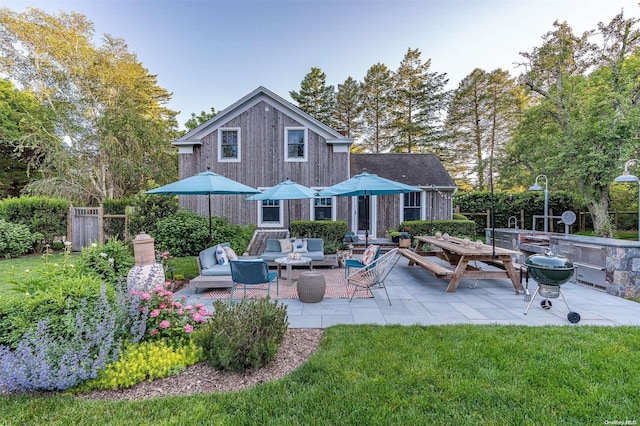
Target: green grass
[(467, 375)]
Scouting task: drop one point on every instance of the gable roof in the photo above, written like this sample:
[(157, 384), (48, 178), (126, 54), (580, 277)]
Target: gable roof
[(261, 94), (423, 170)]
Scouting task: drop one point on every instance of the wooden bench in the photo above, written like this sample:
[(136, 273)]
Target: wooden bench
[(438, 270)]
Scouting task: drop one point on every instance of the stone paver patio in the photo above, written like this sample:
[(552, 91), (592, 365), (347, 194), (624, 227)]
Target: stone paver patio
[(417, 297)]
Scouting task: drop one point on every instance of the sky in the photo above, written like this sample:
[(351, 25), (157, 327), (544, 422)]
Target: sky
[(210, 53)]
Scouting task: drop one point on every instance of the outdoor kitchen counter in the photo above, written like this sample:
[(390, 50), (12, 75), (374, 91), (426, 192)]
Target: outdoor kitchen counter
[(460, 252)]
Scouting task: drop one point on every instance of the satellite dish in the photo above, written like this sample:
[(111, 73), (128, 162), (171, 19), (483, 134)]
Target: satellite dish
[(568, 217)]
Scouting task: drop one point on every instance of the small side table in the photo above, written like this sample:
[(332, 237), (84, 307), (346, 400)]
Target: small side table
[(289, 263), (311, 286)]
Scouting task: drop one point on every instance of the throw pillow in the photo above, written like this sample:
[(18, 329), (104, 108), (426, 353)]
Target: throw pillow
[(285, 246), (231, 255), (299, 245), (369, 254), (221, 256)]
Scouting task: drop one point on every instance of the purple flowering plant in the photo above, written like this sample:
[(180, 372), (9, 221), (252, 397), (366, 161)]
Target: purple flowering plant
[(167, 317)]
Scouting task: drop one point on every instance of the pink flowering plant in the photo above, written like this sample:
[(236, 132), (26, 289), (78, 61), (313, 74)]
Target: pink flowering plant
[(167, 318)]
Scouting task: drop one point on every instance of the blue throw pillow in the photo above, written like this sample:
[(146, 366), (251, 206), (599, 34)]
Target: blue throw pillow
[(221, 256)]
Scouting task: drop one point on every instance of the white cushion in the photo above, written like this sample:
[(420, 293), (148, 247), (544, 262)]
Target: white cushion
[(221, 256), (299, 245), (231, 255), (285, 246)]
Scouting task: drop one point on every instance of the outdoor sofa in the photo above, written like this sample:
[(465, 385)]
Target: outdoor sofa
[(274, 249)]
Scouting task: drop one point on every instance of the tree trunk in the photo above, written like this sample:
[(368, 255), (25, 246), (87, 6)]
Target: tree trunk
[(599, 209)]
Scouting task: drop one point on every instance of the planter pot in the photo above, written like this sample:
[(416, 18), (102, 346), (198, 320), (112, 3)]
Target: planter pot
[(404, 243), (395, 239)]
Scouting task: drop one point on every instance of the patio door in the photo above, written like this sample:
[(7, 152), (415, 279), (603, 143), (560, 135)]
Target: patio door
[(366, 215)]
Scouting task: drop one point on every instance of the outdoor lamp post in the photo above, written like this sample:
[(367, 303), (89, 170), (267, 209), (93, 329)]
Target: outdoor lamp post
[(537, 187), (626, 177)]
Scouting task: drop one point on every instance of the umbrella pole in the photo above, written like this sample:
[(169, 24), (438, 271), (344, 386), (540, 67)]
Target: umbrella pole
[(366, 213), (210, 233)]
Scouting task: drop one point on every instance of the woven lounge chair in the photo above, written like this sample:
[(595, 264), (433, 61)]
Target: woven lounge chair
[(374, 273), (353, 263)]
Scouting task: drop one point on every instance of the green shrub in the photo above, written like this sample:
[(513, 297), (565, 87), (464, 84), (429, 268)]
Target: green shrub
[(186, 234), (327, 230), (45, 216), (110, 261), (15, 239), (244, 336), (147, 210), (56, 293), (458, 228), (145, 361), (182, 234)]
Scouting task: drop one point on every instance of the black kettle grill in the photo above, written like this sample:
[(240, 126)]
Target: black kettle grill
[(550, 271)]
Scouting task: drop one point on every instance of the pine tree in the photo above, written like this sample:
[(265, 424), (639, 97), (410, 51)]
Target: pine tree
[(315, 97), (348, 110), (482, 116), (418, 103), (376, 102)]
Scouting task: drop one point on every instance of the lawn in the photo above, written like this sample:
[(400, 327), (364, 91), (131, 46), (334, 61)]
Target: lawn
[(473, 375)]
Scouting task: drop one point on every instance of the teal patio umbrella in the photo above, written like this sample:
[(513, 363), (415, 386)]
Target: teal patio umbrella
[(364, 185), (205, 183), (286, 190)]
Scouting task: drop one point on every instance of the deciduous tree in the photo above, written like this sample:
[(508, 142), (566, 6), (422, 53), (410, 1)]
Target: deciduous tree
[(25, 125), (107, 107), (586, 122)]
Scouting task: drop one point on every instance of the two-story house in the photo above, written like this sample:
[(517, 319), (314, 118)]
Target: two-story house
[(262, 139)]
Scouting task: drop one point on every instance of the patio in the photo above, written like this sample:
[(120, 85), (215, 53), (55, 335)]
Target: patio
[(418, 297)]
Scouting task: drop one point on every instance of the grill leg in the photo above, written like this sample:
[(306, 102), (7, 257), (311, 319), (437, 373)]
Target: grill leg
[(531, 301), (565, 300)]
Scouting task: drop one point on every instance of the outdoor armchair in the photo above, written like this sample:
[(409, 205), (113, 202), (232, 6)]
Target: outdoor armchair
[(251, 273), (374, 274)]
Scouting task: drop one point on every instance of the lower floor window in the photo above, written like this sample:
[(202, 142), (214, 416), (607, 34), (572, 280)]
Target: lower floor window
[(322, 208), (412, 206), (271, 211)]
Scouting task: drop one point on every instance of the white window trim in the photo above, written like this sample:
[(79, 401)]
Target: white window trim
[(423, 209), (222, 159), (286, 145), (333, 206), (263, 224)]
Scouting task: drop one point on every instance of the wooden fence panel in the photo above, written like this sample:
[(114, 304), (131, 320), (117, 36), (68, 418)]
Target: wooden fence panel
[(85, 227)]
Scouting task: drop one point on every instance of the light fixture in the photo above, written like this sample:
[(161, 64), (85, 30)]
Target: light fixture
[(536, 187), (626, 177)]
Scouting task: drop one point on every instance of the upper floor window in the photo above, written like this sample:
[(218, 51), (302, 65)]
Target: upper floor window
[(295, 143), (412, 205), (229, 144)]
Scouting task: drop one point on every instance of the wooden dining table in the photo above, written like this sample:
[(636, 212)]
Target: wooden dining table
[(465, 255)]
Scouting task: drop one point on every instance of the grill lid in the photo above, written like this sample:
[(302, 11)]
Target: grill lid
[(549, 269), (549, 261)]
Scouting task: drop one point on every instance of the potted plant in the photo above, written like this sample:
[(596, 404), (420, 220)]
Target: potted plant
[(395, 236), (404, 240)]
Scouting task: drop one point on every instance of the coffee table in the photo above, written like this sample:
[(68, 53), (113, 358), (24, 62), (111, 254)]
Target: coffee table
[(289, 263)]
